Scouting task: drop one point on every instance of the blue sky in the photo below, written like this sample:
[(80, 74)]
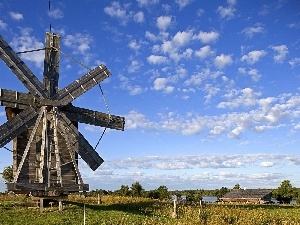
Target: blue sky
[(209, 89)]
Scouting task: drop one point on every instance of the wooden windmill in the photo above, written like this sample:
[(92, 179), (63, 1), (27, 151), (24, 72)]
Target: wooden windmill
[(43, 125)]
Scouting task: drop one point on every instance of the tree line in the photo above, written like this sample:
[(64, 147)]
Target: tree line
[(283, 194)]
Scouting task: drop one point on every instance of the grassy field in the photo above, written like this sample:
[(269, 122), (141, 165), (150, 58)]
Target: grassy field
[(126, 210)]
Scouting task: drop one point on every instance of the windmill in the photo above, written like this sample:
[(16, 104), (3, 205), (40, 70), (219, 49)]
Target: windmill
[(43, 125)]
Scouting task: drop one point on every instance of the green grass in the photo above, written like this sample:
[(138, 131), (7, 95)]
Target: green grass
[(117, 210)]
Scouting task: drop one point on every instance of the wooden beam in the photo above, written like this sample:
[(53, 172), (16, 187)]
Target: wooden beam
[(51, 63), (95, 118), (78, 142), (83, 84), (18, 124), (24, 74)]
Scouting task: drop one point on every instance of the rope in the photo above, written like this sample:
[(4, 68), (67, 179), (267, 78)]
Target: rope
[(34, 50), (103, 96)]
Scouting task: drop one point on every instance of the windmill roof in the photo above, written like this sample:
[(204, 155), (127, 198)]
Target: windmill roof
[(247, 193)]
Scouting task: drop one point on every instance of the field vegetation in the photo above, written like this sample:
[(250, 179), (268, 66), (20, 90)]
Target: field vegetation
[(138, 210)]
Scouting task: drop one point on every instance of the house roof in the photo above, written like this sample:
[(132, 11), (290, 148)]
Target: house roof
[(247, 193)]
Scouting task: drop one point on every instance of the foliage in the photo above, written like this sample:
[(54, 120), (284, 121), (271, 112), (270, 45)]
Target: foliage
[(7, 174), (220, 193), (284, 193), (162, 192), (123, 191), (237, 186), (136, 189)]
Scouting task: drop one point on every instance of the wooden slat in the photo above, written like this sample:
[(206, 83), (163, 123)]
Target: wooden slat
[(18, 124), (18, 67), (15, 99), (95, 118), (76, 140), (80, 86)]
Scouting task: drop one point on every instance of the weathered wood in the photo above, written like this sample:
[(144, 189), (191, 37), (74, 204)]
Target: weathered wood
[(95, 118), (51, 63), (15, 99), (19, 68), (83, 84), (45, 151), (75, 138), (15, 126)]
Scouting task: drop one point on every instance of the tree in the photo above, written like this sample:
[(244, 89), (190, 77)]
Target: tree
[(123, 191), (237, 186), (163, 192), (7, 174), (220, 193), (284, 193), (136, 189)]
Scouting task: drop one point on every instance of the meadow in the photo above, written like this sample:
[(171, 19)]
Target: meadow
[(115, 210)]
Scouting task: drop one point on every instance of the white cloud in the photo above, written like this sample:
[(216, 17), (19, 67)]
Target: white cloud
[(139, 17), (150, 36), (183, 3), (204, 52), (125, 83), (282, 51), (156, 59), (182, 38), (249, 32), (253, 56), (223, 60), (117, 11), (2, 25), (245, 97), (56, 14), (146, 3), (16, 16), (211, 91), (255, 74), (294, 62), (160, 84), (134, 66), (207, 37), (163, 22), (26, 42), (134, 45), (267, 164), (227, 12)]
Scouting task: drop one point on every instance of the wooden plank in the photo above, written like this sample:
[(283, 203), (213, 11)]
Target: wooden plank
[(15, 99), (79, 144), (18, 124), (83, 84), (24, 74), (95, 118)]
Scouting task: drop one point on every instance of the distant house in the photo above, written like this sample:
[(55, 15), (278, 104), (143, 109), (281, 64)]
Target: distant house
[(255, 196)]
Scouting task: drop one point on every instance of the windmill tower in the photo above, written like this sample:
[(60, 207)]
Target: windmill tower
[(43, 125)]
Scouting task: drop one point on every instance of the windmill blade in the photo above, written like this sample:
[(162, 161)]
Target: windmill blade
[(95, 118), (15, 99), (85, 83), (18, 67), (78, 142), (18, 124)]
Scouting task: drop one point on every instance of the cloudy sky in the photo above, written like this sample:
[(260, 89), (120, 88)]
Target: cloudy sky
[(209, 89)]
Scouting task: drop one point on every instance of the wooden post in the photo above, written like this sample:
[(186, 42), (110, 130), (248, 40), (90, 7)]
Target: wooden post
[(60, 206), (51, 64), (41, 205), (174, 214)]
